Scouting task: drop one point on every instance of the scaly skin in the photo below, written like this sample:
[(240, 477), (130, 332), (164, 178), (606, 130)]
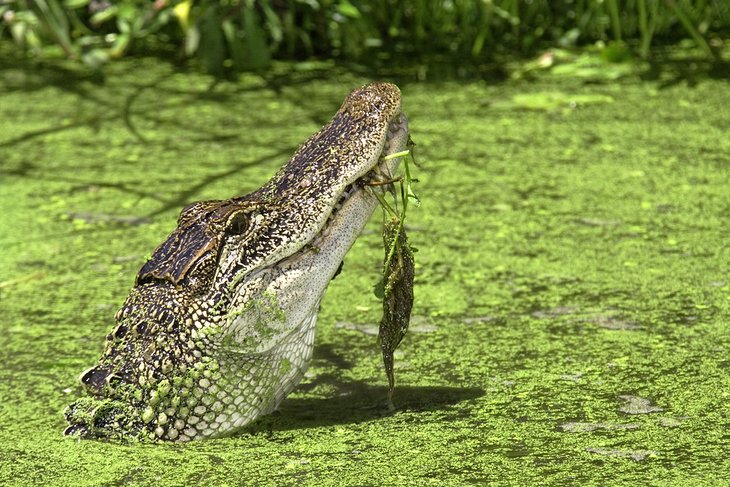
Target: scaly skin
[(219, 326)]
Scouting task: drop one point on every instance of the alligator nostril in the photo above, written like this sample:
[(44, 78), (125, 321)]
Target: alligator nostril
[(95, 378), (120, 331)]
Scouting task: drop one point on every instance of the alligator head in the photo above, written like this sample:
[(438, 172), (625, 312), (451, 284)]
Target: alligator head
[(219, 326)]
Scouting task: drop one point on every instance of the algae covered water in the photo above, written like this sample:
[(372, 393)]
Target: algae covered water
[(572, 291)]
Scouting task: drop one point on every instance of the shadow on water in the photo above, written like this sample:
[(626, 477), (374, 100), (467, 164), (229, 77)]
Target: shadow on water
[(22, 75), (357, 401), (175, 202), (669, 67), (350, 401), (115, 108), (26, 76)]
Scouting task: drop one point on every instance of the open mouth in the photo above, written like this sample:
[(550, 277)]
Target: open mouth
[(381, 172)]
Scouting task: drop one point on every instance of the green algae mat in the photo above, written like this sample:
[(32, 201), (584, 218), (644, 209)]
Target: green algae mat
[(572, 292)]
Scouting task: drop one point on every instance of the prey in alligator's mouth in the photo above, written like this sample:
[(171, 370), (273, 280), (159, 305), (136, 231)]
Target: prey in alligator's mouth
[(219, 325)]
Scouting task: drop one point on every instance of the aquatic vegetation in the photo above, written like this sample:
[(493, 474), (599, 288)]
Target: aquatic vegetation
[(396, 286), (572, 293), (241, 35)]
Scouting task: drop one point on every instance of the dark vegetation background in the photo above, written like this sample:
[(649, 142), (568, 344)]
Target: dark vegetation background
[(469, 36)]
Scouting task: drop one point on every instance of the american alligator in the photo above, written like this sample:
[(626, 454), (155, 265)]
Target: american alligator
[(219, 326)]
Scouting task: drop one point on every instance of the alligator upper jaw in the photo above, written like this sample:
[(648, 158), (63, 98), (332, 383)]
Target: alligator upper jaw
[(382, 170)]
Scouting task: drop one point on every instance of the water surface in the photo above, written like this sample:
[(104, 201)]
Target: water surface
[(572, 290)]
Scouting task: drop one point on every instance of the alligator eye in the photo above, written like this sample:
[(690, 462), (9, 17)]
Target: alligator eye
[(237, 224)]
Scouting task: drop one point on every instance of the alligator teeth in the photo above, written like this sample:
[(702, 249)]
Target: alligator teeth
[(350, 189), (397, 125)]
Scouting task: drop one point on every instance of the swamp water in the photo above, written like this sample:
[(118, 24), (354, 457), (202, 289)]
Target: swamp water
[(572, 292)]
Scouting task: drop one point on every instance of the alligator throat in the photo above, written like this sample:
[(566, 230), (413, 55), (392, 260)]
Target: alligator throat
[(219, 326)]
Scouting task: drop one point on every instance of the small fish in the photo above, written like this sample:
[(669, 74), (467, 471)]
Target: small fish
[(398, 271)]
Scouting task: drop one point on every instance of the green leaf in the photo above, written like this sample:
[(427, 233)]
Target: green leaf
[(123, 26), (120, 45), (348, 10), (235, 43), (256, 47), (103, 16), (52, 17), (128, 11), (192, 40), (212, 43), (18, 30), (413, 196), (75, 3), (273, 22), (95, 58)]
